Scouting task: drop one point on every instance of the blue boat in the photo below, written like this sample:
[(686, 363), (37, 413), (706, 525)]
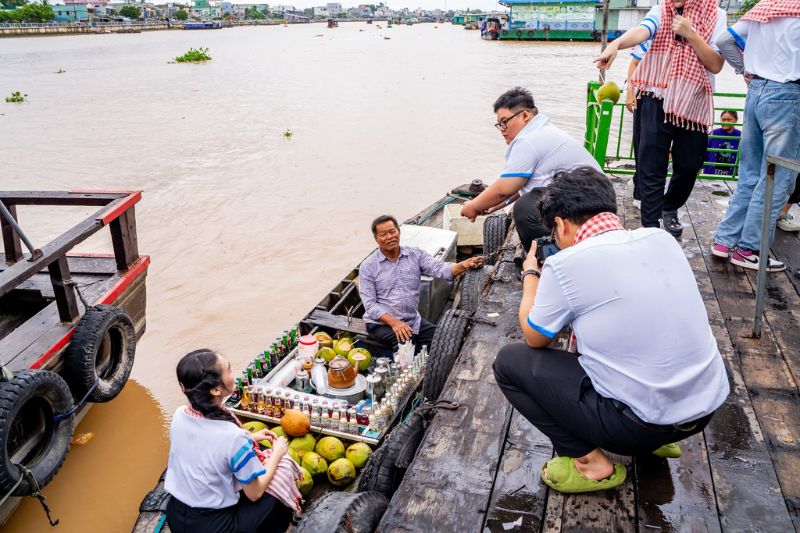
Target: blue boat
[(205, 25)]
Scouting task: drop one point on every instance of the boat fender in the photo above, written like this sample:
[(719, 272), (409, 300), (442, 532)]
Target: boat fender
[(102, 351), (471, 288), (344, 512), (495, 228), (31, 403), (445, 347)]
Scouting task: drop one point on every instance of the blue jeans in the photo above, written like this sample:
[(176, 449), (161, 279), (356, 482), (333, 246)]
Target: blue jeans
[(771, 127)]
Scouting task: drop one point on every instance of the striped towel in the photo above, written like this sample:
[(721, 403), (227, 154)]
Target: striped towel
[(283, 485)]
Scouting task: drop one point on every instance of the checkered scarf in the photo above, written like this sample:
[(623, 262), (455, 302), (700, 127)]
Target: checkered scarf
[(600, 223), (675, 73), (767, 10)]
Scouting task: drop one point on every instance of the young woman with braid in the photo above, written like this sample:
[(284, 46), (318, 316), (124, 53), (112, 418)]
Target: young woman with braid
[(213, 461)]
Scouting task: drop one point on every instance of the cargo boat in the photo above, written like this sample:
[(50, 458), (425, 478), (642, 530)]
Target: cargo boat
[(69, 324)]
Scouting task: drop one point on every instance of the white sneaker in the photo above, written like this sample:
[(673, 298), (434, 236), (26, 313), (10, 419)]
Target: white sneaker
[(787, 222), (638, 205)]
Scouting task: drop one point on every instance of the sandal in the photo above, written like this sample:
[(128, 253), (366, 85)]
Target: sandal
[(668, 451), (561, 474)]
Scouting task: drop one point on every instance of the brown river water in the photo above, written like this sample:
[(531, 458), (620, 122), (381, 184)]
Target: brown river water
[(247, 229)]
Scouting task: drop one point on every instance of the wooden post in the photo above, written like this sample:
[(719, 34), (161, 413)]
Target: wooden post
[(65, 294), (124, 239), (11, 243), (604, 36)]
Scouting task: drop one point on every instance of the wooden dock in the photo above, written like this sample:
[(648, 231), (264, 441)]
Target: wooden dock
[(477, 468)]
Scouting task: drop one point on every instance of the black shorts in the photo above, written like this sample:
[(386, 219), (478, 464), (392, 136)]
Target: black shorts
[(244, 517)]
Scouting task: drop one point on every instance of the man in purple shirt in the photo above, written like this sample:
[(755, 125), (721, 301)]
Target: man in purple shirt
[(389, 283)]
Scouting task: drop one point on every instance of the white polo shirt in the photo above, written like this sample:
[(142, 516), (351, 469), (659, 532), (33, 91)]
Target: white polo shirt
[(640, 323), (773, 49), (539, 150), (208, 461)]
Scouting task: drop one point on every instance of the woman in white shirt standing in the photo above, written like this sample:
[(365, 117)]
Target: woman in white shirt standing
[(212, 459)]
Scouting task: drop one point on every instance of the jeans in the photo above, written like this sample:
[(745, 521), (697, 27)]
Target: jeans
[(771, 127)]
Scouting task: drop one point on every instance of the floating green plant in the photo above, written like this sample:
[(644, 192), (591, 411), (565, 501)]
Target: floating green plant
[(16, 97), (194, 55)]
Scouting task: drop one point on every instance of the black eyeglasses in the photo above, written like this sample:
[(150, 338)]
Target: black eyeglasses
[(503, 124)]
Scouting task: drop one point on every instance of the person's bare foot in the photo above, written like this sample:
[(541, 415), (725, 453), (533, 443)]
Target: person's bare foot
[(595, 465)]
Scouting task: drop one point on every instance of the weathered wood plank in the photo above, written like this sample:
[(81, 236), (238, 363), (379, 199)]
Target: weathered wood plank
[(124, 239), (747, 482), (66, 301), (12, 245), (320, 317), (786, 248), (448, 486), (60, 197)]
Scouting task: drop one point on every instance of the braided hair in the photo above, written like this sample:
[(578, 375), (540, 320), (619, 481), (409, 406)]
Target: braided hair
[(198, 373)]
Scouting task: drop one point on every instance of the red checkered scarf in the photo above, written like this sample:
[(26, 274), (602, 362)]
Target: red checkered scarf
[(767, 10), (600, 223), (674, 70), (282, 486)]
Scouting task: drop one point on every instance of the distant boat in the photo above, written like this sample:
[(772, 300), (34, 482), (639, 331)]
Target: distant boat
[(204, 25)]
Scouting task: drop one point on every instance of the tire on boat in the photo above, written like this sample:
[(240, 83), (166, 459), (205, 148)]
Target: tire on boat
[(519, 34), (28, 403), (344, 512), (471, 289), (387, 466), (495, 228), (445, 347), (102, 350)]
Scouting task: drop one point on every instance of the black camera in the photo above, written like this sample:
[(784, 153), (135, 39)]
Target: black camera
[(545, 247)]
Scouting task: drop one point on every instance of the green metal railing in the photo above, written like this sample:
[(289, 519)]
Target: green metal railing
[(615, 153)]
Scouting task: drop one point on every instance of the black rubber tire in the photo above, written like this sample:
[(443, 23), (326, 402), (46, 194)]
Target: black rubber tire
[(445, 347), (471, 289), (387, 466), (105, 332), (344, 512), (31, 398), (495, 228)]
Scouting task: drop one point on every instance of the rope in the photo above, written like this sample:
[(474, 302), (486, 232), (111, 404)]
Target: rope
[(449, 200), (74, 284), (35, 492), (77, 406)]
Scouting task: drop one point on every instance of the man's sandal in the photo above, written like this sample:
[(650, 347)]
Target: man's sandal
[(561, 474), (668, 451)]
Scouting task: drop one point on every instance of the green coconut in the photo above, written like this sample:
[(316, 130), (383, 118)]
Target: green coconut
[(303, 444), (279, 432), (358, 454), (608, 91), (306, 483), (291, 452), (330, 448), (364, 364), (326, 353), (315, 464), (325, 340), (341, 473), (343, 347)]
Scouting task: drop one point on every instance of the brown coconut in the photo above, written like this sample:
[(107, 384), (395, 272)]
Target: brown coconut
[(295, 423)]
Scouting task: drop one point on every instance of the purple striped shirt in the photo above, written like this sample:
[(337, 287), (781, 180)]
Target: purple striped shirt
[(393, 287)]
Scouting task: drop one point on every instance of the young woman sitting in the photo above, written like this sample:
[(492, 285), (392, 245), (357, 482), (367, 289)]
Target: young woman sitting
[(213, 460)]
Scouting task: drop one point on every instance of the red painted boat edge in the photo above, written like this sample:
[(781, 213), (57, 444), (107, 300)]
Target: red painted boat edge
[(126, 204), (123, 283)]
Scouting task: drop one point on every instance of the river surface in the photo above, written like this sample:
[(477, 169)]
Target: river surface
[(248, 229)]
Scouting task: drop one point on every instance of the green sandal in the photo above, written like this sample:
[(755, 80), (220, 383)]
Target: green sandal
[(561, 474), (668, 451)]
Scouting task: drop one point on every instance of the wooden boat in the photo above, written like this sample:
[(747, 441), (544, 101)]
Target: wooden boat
[(340, 313), (332, 23), (69, 324), (203, 25)]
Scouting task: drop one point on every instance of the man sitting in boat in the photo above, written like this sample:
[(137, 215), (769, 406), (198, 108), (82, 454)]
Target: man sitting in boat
[(536, 150), (389, 283), (639, 375)]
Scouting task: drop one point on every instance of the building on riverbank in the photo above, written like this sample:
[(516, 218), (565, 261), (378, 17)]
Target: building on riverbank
[(73, 12)]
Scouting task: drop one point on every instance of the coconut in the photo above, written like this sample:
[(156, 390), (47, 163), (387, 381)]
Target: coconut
[(330, 448), (608, 91), (325, 340), (343, 347), (254, 426), (358, 454), (363, 364), (303, 444), (326, 353), (291, 452), (279, 432), (341, 473), (306, 483), (315, 464), (295, 423)]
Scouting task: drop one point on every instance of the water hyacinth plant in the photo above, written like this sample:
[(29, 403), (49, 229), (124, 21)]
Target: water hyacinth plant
[(194, 55), (16, 97)]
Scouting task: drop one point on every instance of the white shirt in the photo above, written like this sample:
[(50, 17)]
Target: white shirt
[(652, 21), (539, 150), (640, 323), (773, 49), (208, 459)]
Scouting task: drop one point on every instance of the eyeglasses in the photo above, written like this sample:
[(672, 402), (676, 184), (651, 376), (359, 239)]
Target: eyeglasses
[(503, 124)]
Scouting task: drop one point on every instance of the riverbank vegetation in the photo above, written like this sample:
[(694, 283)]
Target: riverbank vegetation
[(28, 13), (16, 98), (194, 55)]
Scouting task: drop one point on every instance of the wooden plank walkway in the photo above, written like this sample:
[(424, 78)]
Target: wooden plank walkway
[(478, 467)]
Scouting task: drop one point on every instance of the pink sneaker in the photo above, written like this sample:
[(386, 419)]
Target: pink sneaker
[(748, 259), (720, 250)]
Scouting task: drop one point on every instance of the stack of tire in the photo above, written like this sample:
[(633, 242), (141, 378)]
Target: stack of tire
[(36, 406)]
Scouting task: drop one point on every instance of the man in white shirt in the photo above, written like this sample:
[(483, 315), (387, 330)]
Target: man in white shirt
[(644, 375), (675, 108), (536, 150), (765, 45)]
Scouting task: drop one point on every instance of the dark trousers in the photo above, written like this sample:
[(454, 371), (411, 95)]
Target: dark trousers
[(264, 515), (528, 219), (384, 335), (551, 390), (656, 139), (795, 196), (635, 134)]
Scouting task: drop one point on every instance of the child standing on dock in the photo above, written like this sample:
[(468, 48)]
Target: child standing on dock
[(675, 106)]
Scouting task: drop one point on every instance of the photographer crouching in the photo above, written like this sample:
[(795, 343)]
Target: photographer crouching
[(643, 371)]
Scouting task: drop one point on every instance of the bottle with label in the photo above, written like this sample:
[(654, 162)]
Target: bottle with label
[(266, 366), (325, 420), (319, 376), (244, 403), (315, 419), (237, 392), (273, 355), (261, 405)]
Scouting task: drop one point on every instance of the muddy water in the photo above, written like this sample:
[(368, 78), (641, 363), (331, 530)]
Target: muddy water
[(248, 229)]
